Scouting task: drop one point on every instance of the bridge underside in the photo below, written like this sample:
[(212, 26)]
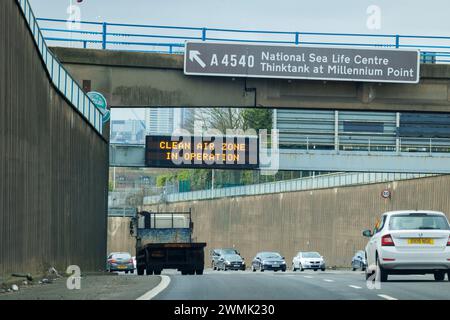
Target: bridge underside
[(135, 79), (319, 160)]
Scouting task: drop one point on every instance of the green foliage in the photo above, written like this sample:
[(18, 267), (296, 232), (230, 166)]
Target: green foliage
[(163, 179), (247, 177), (183, 175), (201, 179), (257, 118)]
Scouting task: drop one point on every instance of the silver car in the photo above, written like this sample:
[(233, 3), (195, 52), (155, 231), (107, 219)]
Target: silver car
[(120, 261), (308, 260), (359, 261), (269, 261), (230, 262)]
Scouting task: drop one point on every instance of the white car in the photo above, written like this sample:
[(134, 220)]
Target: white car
[(308, 260), (409, 242)]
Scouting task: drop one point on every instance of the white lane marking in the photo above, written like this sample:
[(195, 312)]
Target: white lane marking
[(165, 280), (309, 277), (385, 296), (355, 287), (328, 280)]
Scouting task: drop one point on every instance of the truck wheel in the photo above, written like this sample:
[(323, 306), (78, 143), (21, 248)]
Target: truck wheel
[(199, 271), (140, 271), (148, 271), (191, 271)]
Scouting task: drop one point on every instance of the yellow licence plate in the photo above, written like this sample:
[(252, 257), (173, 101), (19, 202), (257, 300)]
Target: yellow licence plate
[(122, 267), (420, 241)]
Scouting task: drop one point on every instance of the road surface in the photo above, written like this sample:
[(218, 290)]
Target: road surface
[(307, 285), (240, 285)]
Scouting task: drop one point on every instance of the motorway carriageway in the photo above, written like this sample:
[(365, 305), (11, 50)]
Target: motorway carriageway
[(307, 285), (238, 285)]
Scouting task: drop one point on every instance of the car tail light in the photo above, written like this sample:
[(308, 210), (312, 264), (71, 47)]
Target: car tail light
[(113, 261), (448, 241), (130, 261), (387, 241), (388, 259)]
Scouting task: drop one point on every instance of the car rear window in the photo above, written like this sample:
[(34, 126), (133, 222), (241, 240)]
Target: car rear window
[(232, 256), (418, 222), (122, 256), (229, 251), (270, 255), (311, 255)]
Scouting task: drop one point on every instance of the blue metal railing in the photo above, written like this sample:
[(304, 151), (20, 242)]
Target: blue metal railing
[(60, 77), (171, 39)]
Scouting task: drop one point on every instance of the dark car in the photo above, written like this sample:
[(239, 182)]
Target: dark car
[(268, 261), (230, 262), (217, 253), (359, 261)]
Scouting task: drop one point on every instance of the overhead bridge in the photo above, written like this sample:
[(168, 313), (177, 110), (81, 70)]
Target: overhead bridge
[(125, 155), (140, 79)]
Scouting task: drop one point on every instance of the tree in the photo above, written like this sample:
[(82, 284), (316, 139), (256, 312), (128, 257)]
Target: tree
[(219, 118), (257, 118)]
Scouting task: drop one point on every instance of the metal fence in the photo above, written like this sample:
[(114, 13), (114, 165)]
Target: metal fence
[(60, 77), (309, 183), (171, 39), (362, 131), (368, 143), (122, 211)]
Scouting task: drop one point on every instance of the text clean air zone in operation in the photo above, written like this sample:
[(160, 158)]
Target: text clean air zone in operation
[(316, 63)]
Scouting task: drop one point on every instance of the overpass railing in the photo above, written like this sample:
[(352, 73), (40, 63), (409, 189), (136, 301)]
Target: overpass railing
[(171, 39), (60, 77), (369, 143), (308, 183)]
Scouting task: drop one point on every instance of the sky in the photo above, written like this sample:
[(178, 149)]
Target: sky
[(397, 16), (415, 17)]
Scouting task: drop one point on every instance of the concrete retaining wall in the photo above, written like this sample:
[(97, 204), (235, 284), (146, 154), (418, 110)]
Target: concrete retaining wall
[(119, 238), (329, 220), (53, 165)]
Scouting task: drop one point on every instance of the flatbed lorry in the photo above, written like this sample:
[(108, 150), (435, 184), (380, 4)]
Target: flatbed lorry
[(164, 241)]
